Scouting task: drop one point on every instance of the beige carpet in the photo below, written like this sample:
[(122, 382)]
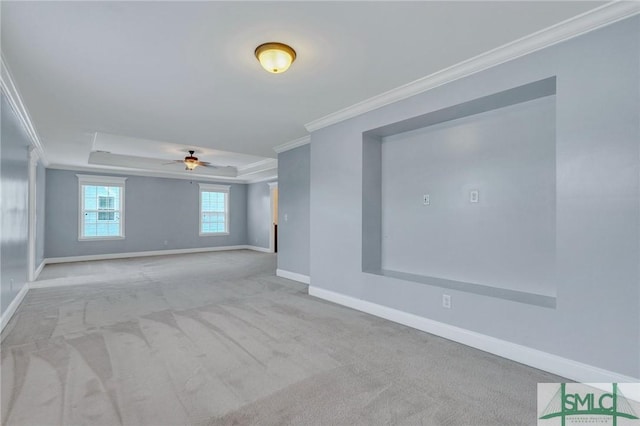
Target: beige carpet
[(217, 339)]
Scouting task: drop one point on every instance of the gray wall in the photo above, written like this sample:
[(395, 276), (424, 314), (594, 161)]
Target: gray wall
[(158, 210), (293, 210), (40, 215), (512, 225), (597, 212), (14, 172), (259, 221)]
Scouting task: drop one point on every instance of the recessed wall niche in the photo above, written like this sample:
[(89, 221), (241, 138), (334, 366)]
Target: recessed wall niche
[(465, 197)]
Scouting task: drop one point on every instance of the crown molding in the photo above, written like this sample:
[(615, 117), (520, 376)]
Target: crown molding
[(258, 167), (580, 24), (10, 89), (260, 164), (292, 144), (263, 179), (156, 174)]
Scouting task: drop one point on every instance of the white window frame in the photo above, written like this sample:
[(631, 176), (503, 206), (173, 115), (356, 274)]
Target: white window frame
[(94, 180), (207, 187)]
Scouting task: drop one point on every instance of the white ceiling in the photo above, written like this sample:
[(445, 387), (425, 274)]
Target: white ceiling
[(169, 76)]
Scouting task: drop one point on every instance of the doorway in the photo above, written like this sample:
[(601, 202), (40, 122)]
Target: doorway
[(273, 238)]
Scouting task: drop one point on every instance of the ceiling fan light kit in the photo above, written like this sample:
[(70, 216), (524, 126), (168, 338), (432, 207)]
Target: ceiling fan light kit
[(190, 161), (275, 57)]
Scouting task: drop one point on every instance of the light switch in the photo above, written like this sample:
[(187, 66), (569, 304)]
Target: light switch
[(446, 301), (426, 199)]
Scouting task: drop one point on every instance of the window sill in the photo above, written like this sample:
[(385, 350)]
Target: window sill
[(213, 234)]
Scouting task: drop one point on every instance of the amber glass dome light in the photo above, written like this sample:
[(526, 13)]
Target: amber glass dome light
[(275, 57)]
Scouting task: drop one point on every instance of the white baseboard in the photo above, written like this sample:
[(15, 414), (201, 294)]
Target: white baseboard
[(262, 249), (142, 254), (305, 279), (564, 367), (36, 273), (13, 306)]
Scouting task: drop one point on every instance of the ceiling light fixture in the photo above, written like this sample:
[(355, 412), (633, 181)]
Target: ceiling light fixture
[(190, 161), (275, 57)]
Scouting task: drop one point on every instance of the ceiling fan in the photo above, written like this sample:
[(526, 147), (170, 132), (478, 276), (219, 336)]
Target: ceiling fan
[(191, 162)]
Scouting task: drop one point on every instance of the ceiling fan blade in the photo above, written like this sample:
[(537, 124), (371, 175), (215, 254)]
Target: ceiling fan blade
[(208, 164), (198, 164)]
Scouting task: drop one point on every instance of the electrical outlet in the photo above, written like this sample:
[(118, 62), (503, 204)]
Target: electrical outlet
[(166, 243), (426, 200), (446, 301), (474, 196)]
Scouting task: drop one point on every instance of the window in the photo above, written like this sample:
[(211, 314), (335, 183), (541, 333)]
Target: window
[(214, 209), (101, 207), (106, 203)]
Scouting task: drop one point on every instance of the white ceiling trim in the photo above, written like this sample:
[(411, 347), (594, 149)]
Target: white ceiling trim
[(259, 164), (565, 30), (258, 167), (292, 144), (167, 175), (262, 179), (15, 100)]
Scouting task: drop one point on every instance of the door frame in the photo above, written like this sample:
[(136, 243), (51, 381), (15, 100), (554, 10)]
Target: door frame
[(273, 187)]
